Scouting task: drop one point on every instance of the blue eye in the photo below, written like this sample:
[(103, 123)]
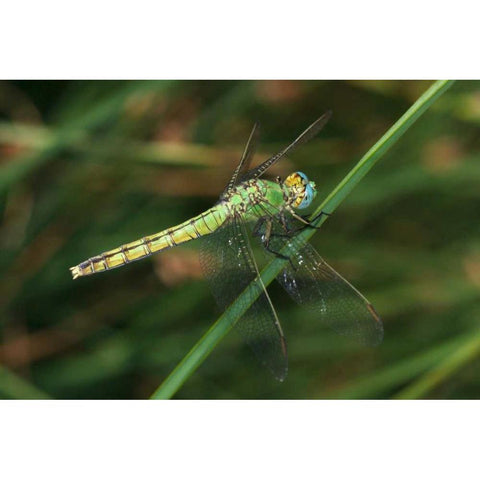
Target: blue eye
[(304, 177)]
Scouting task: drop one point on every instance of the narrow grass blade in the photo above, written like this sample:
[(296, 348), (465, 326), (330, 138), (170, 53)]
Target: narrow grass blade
[(14, 387), (380, 383), (464, 353), (70, 132), (219, 329)]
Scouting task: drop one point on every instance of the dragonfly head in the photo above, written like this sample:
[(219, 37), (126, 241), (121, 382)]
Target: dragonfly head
[(300, 190)]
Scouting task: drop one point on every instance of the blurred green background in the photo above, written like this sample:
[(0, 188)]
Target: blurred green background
[(90, 165)]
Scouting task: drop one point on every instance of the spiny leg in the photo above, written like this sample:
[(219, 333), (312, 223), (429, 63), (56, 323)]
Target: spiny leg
[(306, 223), (267, 235), (290, 231), (317, 217)]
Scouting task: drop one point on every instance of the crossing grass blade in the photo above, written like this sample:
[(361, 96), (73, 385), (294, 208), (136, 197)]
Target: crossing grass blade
[(222, 326), (71, 131), (464, 353), (13, 386), (401, 372)]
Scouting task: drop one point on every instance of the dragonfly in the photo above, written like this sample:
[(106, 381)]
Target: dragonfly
[(265, 214)]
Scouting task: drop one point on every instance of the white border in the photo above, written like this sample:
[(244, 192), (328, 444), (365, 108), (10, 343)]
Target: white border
[(239, 439), (244, 40)]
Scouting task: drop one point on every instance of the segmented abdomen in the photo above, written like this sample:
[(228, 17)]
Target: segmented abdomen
[(203, 224)]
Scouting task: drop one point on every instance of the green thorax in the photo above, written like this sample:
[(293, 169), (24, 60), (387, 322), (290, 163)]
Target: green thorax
[(254, 198)]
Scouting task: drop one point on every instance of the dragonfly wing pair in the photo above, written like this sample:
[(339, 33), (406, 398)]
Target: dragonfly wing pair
[(230, 266)]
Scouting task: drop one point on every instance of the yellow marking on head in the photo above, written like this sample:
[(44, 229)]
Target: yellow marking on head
[(296, 187)]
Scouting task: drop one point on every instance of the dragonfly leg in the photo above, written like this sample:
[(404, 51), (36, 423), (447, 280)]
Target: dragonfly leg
[(310, 222), (316, 217), (307, 223), (277, 254), (284, 222), (257, 229), (266, 235)]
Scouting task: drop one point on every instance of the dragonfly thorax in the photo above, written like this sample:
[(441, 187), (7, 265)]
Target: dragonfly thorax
[(299, 190)]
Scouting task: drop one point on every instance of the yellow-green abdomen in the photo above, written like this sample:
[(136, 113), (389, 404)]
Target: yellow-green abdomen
[(203, 224)]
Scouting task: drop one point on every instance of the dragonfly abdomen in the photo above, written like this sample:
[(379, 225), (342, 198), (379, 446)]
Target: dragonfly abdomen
[(203, 224)]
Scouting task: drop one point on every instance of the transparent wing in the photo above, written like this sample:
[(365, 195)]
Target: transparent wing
[(230, 267), (303, 138), (246, 159), (311, 282)]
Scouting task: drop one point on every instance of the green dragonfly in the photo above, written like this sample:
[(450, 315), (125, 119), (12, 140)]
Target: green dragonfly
[(252, 210)]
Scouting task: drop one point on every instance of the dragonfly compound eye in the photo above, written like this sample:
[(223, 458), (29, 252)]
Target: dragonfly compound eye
[(300, 189)]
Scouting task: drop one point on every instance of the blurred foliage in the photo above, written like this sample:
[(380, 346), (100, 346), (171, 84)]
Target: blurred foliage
[(88, 166)]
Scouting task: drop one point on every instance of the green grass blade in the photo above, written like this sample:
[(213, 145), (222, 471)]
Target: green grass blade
[(73, 131), (464, 353), (12, 386), (387, 379), (220, 328)]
